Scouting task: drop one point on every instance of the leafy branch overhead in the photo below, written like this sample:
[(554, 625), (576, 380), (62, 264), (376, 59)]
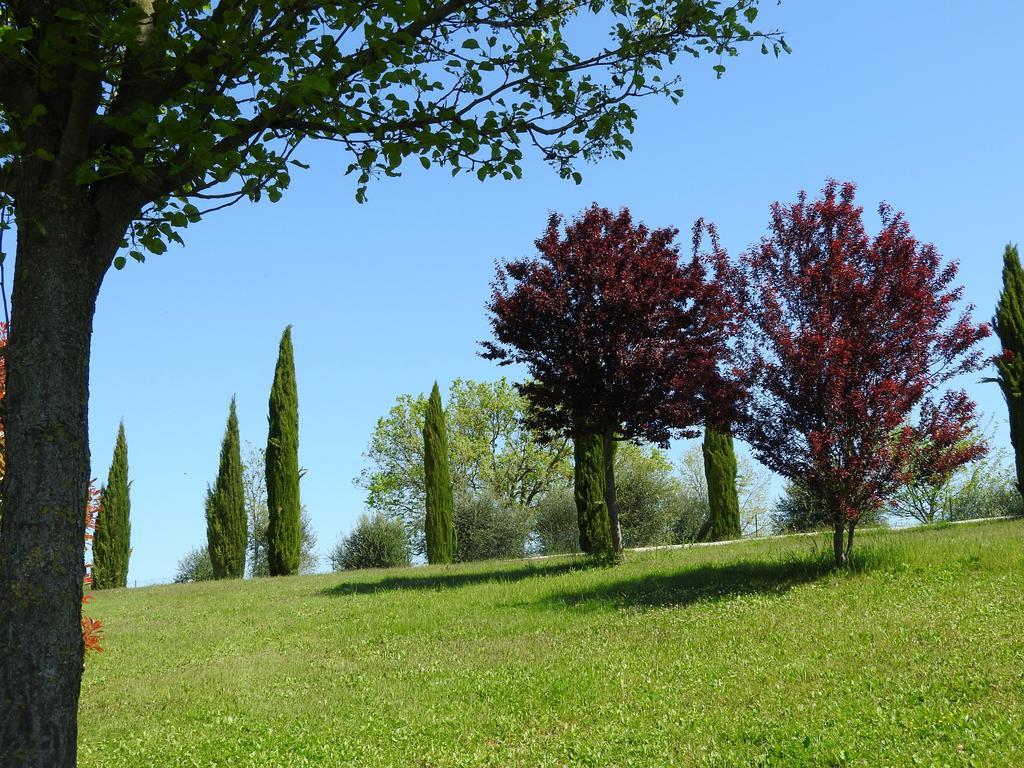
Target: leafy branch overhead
[(178, 108)]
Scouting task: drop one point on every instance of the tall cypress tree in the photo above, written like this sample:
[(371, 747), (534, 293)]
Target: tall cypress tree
[(1009, 326), (440, 520), (720, 471), (111, 547), (284, 533), (589, 487), (227, 529)]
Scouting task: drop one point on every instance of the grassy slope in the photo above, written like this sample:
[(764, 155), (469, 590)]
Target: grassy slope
[(752, 654)]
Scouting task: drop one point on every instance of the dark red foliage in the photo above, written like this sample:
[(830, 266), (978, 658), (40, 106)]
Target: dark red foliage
[(619, 337), (848, 338)]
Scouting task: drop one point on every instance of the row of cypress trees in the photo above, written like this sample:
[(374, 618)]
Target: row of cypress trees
[(227, 523)]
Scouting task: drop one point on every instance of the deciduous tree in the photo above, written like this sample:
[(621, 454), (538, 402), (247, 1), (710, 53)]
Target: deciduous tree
[(122, 123), (619, 337), (492, 454), (849, 336)]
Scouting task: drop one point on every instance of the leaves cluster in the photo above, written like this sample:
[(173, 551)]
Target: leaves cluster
[(171, 109)]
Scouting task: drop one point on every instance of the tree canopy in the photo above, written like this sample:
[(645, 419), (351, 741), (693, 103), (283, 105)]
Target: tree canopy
[(173, 108), (848, 337)]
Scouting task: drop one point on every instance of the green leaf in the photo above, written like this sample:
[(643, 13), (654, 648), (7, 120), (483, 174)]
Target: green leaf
[(119, 262)]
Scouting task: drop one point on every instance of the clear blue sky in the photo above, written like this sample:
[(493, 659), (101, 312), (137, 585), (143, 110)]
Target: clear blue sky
[(919, 102)]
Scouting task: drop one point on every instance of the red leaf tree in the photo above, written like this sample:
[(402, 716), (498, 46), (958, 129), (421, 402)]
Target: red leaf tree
[(848, 338), (618, 336)]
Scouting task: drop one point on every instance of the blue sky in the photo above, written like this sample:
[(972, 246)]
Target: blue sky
[(918, 102)]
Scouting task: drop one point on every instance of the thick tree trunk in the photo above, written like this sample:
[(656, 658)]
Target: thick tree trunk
[(837, 542), (609, 495), (57, 276)]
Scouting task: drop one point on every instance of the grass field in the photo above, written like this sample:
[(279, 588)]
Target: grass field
[(749, 654)]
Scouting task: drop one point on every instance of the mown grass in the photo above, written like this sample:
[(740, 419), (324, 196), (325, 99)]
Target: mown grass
[(751, 654)]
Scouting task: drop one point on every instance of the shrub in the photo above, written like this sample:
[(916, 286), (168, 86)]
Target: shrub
[(797, 511), (487, 530), (691, 518), (376, 542), (649, 496), (195, 566), (556, 529)]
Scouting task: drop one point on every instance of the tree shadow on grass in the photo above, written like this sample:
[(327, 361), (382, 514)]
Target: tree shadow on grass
[(439, 579), (700, 583)]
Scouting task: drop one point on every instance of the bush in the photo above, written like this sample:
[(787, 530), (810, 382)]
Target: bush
[(195, 566), (691, 518), (555, 527), (486, 530), (376, 542), (649, 496), (799, 512)]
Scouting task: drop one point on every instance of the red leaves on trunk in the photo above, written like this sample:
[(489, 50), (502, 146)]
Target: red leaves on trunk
[(91, 628), (848, 337), (618, 336)]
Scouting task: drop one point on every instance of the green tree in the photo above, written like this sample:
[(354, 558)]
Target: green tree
[(1009, 327), (195, 566), (284, 536), (254, 485), (650, 495), (595, 536), (123, 123), (226, 522), (111, 548), (439, 523), (720, 470), (491, 454), (486, 530)]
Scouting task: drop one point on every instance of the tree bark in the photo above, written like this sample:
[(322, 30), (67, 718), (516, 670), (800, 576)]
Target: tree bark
[(837, 542), (59, 266), (609, 494)]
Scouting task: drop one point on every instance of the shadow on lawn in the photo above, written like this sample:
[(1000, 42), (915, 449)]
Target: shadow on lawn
[(702, 583), (442, 580)]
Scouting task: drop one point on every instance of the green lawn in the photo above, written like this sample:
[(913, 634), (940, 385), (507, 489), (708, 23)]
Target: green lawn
[(748, 654)]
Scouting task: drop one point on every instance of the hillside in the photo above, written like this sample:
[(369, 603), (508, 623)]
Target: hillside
[(748, 654)]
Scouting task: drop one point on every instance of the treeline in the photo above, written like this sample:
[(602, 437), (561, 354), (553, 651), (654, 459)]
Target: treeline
[(832, 353), (513, 493)]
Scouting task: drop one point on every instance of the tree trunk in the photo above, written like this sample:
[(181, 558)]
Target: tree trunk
[(57, 277), (849, 538), (609, 494), (837, 542)]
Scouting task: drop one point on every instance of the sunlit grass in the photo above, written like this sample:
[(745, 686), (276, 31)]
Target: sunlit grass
[(751, 654)]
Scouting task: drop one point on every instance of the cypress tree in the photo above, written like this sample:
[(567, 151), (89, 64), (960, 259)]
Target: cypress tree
[(111, 547), (440, 520), (589, 491), (284, 533), (720, 471), (227, 529), (1009, 326)]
